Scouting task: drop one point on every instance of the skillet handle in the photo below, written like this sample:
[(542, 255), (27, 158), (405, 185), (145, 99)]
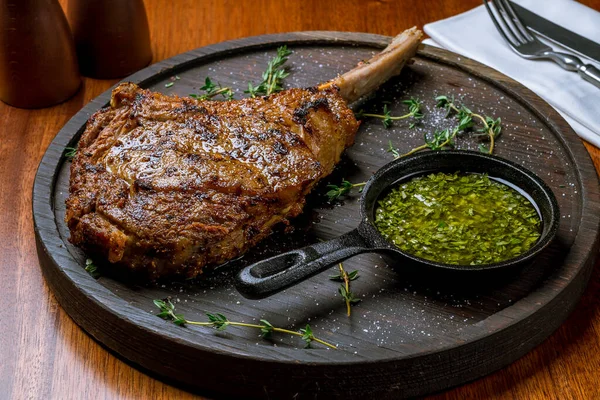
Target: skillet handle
[(274, 274)]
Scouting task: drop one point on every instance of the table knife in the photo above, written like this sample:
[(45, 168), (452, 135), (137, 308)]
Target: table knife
[(557, 34)]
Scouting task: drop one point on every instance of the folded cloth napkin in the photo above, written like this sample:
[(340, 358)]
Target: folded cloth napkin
[(473, 35)]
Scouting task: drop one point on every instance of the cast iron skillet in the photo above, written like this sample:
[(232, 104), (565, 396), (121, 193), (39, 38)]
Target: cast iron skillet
[(274, 274)]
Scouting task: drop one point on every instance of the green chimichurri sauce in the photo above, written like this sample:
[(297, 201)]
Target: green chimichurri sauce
[(464, 219)]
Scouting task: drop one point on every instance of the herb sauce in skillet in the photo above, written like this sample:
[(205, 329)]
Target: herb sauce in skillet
[(464, 219)]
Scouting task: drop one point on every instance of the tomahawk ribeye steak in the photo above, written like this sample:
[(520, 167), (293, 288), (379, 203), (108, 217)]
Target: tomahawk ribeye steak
[(166, 185)]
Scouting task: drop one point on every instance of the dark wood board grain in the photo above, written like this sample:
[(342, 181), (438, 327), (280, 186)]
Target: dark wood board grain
[(409, 335)]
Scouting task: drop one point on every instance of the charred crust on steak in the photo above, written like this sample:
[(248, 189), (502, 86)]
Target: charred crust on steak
[(251, 232), (94, 168), (202, 181), (301, 113), (140, 184), (280, 148)]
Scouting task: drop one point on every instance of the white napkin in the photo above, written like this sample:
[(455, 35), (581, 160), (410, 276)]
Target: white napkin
[(473, 35)]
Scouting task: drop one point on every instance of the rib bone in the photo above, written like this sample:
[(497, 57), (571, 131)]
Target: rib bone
[(368, 76)]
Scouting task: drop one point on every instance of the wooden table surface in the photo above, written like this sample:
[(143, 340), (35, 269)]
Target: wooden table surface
[(45, 355)]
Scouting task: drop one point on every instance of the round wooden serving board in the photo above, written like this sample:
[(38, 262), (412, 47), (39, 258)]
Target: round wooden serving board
[(411, 334)]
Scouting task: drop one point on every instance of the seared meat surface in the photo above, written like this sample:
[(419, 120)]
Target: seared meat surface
[(174, 183), (166, 185)]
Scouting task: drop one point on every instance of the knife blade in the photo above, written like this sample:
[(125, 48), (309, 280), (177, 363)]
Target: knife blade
[(557, 34)]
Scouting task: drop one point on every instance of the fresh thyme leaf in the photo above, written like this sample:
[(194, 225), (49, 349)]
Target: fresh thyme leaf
[(91, 268), (336, 191), (463, 110), (414, 108), (167, 312), (209, 86), (393, 150), (179, 320), (442, 101), (164, 315), (168, 85), (70, 152), (307, 335), (252, 91), (342, 291), (445, 102), (494, 125), (213, 90), (483, 148), (441, 139), (353, 275), (340, 277), (219, 321), (387, 116), (273, 76), (267, 329), (160, 303), (352, 299), (347, 296)]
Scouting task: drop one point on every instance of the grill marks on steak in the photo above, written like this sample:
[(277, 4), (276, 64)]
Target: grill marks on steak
[(167, 185)]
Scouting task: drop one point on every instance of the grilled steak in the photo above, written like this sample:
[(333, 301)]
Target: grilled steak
[(166, 185)]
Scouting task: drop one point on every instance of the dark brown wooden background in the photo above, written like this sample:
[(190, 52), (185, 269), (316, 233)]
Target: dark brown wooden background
[(43, 354)]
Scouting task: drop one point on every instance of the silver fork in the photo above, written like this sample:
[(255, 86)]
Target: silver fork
[(528, 46)]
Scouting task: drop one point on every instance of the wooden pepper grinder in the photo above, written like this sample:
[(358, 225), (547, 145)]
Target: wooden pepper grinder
[(38, 65), (111, 36)]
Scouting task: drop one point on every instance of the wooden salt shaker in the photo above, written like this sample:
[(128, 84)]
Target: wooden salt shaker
[(38, 65), (111, 36)]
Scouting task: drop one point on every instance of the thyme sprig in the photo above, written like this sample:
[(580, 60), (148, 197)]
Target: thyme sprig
[(220, 322), (443, 139), (344, 288), (492, 127), (273, 76), (213, 90), (337, 191), (393, 150), (414, 111), (70, 152)]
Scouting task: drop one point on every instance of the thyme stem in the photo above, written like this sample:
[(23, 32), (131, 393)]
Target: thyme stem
[(490, 131), (337, 191), (422, 147), (389, 117), (414, 110), (344, 289), (220, 322), (347, 284)]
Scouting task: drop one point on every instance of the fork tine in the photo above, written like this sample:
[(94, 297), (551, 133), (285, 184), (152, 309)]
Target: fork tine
[(506, 34), (509, 22), (524, 31)]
